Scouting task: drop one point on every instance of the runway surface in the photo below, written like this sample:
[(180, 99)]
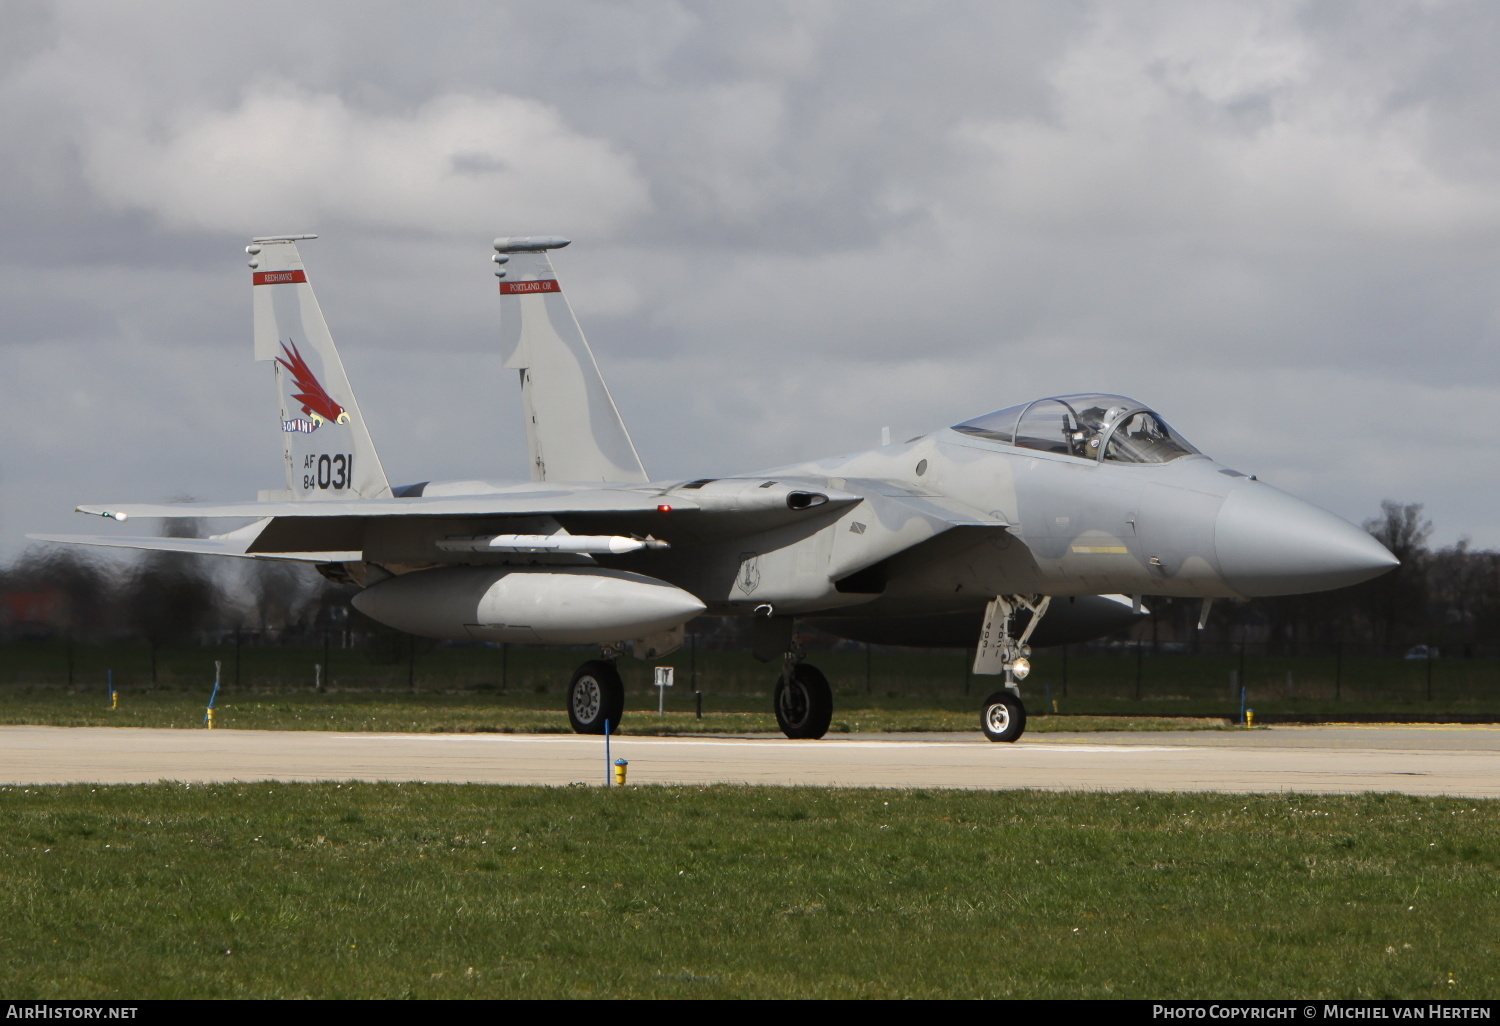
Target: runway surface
[(1426, 760)]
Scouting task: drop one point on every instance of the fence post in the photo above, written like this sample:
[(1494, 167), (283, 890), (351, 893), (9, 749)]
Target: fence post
[(327, 666), (1338, 670), (1139, 649), (693, 672)]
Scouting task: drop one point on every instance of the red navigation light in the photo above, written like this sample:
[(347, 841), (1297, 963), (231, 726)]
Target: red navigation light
[(664, 508)]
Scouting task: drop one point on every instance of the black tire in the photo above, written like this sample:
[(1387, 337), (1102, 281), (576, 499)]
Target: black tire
[(596, 694), (804, 704), (1003, 717)]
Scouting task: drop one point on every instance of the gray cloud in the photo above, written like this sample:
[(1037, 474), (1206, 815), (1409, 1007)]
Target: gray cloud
[(796, 223)]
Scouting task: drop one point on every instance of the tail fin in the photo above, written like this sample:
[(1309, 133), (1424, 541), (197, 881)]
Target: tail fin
[(573, 428), (324, 440)]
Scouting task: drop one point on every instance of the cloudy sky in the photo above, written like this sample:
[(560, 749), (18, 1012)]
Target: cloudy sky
[(794, 223)]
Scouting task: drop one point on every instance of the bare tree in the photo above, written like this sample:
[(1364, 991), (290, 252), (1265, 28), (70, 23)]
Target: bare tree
[(1397, 601), (278, 592), (171, 596)]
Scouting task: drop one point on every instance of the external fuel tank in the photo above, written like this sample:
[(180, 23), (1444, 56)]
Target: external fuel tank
[(552, 605)]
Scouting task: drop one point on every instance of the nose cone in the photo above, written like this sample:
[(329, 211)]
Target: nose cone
[(1272, 543)]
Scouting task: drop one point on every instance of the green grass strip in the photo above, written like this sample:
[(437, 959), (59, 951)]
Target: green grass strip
[(517, 714), (446, 891)]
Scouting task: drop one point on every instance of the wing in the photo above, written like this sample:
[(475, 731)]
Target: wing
[(520, 502), (870, 520)]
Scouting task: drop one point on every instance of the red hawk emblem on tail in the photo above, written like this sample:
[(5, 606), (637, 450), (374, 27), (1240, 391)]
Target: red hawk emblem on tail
[(315, 400)]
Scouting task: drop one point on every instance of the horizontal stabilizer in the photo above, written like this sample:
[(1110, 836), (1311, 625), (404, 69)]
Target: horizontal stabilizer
[(197, 546)]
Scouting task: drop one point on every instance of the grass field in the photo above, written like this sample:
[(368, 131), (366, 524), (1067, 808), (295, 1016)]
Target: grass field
[(428, 712), (438, 891)]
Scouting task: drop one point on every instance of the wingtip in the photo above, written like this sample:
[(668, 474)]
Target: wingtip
[(108, 514)]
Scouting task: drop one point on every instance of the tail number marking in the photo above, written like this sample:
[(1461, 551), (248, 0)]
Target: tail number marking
[(332, 473)]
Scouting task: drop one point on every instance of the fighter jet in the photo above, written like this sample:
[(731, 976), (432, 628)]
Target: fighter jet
[(1044, 523)]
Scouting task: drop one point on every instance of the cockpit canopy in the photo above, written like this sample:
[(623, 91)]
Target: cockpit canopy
[(1093, 427)]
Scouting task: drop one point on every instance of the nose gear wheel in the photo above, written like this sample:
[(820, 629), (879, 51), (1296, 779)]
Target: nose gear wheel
[(1003, 717)]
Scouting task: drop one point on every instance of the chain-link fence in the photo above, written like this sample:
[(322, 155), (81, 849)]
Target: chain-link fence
[(1219, 675)]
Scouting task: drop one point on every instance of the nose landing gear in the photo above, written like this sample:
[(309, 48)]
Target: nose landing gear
[(1003, 717)]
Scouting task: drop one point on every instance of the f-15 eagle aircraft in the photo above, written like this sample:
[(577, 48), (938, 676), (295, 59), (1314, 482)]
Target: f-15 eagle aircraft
[(1041, 524)]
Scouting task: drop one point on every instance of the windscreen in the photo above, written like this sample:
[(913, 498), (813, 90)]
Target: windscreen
[(1089, 426), (997, 427), (1143, 437)]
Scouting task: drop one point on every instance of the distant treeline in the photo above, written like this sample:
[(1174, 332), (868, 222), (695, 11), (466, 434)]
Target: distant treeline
[(1446, 597), (164, 598)]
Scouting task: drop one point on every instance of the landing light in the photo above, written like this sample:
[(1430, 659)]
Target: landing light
[(1020, 668)]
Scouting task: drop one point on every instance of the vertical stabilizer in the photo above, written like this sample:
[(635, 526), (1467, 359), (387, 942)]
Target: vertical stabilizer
[(325, 443), (573, 429)]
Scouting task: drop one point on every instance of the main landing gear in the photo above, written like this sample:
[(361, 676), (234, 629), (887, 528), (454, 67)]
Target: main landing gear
[(803, 700), (1003, 717), (596, 695)]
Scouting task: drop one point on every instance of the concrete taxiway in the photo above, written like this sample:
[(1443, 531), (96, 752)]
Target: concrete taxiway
[(1430, 760)]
